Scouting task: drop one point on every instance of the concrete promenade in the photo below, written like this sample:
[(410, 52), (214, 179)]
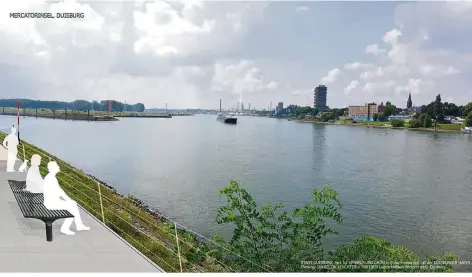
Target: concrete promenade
[(23, 245)]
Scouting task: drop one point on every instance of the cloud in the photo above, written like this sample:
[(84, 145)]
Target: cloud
[(437, 71), (302, 8), (391, 37), (189, 53), (425, 55), (332, 76), (352, 86), (150, 52), (273, 85), (240, 78), (378, 87), (374, 49), (357, 65), (415, 87)]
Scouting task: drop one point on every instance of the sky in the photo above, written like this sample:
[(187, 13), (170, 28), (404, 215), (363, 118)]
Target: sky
[(189, 54)]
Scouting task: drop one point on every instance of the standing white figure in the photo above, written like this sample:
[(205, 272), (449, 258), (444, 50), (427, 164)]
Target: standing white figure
[(11, 144), (34, 180), (56, 199)]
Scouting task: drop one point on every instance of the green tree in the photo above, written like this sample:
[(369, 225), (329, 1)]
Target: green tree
[(415, 123), (325, 116), (389, 109), (467, 109), (468, 120), (427, 122), (381, 117), (451, 109), (274, 239), (375, 117), (438, 111)]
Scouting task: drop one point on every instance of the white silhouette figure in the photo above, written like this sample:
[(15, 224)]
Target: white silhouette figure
[(11, 144), (56, 199), (23, 166), (34, 180)]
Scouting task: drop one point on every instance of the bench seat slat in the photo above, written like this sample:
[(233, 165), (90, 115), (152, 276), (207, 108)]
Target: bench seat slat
[(17, 185), (31, 204)]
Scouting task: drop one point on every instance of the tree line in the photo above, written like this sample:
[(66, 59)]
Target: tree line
[(429, 115), (78, 105), (299, 112)]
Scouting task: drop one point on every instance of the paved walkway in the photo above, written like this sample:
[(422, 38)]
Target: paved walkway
[(23, 245)]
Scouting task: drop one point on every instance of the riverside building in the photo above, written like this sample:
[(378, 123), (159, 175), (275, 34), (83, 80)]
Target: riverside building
[(320, 94), (365, 112)]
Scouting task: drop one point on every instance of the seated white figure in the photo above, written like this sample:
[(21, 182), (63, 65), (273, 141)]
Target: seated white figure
[(34, 180), (56, 199)]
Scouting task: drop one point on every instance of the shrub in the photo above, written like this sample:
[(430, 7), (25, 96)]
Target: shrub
[(427, 122), (397, 123), (415, 123)]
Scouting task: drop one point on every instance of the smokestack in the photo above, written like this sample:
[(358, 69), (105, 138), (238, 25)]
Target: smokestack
[(220, 104), (249, 105)]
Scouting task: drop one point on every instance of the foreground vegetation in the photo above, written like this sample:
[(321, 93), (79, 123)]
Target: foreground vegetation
[(280, 240), (266, 238)]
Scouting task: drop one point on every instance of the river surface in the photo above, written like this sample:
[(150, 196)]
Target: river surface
[(412, 188)]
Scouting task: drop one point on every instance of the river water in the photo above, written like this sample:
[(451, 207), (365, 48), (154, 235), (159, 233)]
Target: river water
[(412, 188)]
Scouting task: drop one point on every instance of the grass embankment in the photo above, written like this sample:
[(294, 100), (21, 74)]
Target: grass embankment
[(364, 123), (451, 127), (387, 124), (152, 235)]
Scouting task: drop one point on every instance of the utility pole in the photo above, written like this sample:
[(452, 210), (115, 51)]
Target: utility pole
[(18, 106)]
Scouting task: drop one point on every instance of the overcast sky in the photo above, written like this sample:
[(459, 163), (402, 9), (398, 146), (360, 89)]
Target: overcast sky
[(190, 54)]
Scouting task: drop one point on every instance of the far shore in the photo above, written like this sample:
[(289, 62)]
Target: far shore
[(63, 116), (377, 126)]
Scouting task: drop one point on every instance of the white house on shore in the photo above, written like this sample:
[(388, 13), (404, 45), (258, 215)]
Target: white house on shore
[(405, 118)]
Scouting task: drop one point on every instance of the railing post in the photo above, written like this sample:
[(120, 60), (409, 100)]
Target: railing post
[(101, 203), (178, 247)]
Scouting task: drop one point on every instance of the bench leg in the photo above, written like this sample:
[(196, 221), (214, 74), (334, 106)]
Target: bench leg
[(48, 230)]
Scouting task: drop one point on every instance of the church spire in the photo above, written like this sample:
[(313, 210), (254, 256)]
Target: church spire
[(409, 104)]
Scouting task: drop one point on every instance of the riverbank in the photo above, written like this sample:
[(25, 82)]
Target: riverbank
[(146, 116), (442, 128), (82, 115), (144, 228), (65, 116)]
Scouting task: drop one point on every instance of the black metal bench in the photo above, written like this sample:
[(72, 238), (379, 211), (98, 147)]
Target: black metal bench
[(31, 206)]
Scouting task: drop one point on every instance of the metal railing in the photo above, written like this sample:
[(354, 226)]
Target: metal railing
[(167, 243)]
